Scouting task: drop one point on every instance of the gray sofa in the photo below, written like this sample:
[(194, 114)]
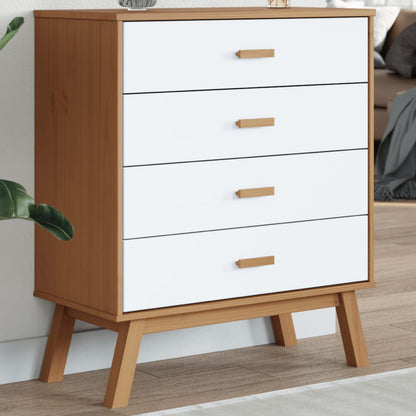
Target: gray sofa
[(386, 83)]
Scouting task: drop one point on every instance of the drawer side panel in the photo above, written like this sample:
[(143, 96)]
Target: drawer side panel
[(78, 155)]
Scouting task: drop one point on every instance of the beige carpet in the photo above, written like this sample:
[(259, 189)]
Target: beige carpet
[(389, 394)]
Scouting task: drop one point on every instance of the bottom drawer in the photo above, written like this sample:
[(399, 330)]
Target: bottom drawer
[(191, 268)]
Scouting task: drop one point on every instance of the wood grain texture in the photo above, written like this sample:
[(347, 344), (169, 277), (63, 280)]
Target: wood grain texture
[(77, 127), (255, 262), (93, 319), (255, 122), (78, 157), (204, 13), (238, 313), (255, 192), (124, 364), (255, 53), (78, 149), (371, 149), (284, 330), (57, 348), (351, 330), (215, 305)]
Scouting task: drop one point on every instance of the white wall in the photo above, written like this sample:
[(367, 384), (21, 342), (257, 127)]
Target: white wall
[(406, 4), (25, 320)]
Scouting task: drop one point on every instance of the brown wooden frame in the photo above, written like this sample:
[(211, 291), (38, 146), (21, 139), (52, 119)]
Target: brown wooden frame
[(78, 128)]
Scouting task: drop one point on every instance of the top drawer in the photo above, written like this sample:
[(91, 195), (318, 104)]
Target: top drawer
[(190, 55)]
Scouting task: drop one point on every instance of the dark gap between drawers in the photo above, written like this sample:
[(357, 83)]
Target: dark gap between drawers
[(245, 88), (245, 157), (246, 226)]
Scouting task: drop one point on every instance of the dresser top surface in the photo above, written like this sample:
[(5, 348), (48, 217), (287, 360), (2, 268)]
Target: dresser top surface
[(196, 13)]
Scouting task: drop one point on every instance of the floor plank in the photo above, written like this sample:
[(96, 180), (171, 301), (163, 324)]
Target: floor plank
[(389, 320)]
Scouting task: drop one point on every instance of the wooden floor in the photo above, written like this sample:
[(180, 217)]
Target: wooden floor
[(389, 320)]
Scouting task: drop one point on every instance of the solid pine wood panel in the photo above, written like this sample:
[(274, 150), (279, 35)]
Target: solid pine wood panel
[(124, 364), (237, 313), (78, 159), (197, 13), (352, 330), (370, 149), (59, 340), (284, 330), (78, 169), (221, 304), (93, 319)]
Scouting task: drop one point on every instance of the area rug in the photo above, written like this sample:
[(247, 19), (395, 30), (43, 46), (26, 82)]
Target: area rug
[(390, 394)]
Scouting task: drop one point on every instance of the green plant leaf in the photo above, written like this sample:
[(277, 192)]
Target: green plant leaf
[(12, 29), (16, 203), (14, 200), (52, 220)]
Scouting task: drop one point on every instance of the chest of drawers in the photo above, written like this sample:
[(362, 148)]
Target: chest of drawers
[(216, 165)]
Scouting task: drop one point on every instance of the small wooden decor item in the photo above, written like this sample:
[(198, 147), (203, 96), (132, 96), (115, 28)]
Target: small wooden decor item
[(279, 3)]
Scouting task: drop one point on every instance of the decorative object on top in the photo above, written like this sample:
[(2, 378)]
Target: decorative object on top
[(137, 4), (279, 3), (15, 203)]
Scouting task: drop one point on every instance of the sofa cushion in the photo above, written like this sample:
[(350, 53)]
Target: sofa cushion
[(381, 119), (401, 56), (378, 60), (404, 19), (383, 22), (387, 84)]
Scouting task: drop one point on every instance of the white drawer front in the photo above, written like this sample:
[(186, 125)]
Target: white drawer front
[(189, 55), (186, 197), (190, 268), (188, 126)]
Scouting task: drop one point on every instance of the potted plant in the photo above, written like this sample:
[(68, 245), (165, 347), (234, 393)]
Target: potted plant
[(15, 203)]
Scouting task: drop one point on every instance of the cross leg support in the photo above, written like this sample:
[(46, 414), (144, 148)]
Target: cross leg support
[(57, 347), (123, 367), (352, 330), (284, 331)]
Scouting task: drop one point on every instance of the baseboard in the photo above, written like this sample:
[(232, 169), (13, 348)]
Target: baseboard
[(21, 360)]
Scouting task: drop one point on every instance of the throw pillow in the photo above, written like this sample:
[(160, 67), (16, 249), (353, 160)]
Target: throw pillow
[(378, 61), (401, 56), (383, 21)]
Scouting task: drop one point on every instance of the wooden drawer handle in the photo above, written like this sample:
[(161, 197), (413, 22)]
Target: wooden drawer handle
[(255, 122), (255, 262), (254, 192), (255, 53)]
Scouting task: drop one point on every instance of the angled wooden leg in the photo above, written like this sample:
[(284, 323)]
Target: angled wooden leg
[(124, 364), (352, 330), (56, 352), (284, 331)]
